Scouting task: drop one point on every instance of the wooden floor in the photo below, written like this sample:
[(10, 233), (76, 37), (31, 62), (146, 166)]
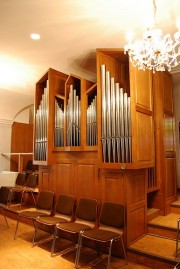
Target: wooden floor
[(19, 253)]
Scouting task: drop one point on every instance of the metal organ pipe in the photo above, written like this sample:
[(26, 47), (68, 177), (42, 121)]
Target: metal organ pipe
[(41, 118), (116, 121)]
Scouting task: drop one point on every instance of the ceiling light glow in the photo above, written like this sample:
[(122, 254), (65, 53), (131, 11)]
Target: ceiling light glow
[(35, 36)]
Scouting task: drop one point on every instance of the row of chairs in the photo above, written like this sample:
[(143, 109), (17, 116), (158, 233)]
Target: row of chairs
[(81, 221)]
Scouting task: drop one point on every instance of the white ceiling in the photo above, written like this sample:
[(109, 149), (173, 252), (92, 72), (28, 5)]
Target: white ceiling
[(70, 30)]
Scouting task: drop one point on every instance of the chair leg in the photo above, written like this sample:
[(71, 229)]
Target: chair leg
[(177, 238), (2, 210), (125, 256), (35, 232), (78, 250), (15, 234), (22, 196), (54, 241), (109, 255), (33, 197)]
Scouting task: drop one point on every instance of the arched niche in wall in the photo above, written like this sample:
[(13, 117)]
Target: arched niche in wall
[(25, 115)]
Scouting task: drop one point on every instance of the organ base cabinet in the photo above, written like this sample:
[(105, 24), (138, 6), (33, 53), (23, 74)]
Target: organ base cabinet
[(97, 139)]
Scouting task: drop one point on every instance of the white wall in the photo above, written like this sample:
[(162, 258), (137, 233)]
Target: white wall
[(177, 120), (5, 143)]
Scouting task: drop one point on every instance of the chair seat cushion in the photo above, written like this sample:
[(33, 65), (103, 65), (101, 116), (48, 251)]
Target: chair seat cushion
[(73, 227), (100, 235), (3, 205), (50, 220), (33, 214)]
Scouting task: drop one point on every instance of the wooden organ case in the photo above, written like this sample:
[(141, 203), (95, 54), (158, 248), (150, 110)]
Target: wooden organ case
[(80, 147)]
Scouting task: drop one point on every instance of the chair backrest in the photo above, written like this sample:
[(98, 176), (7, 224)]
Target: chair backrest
[(45, 200), (112, 214), (30, 166), (21, 179), (4, 195), (32, 181), (87, 209), (65, 205)]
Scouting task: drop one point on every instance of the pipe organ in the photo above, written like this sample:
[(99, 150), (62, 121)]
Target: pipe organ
[(116, 121), (41, 118)]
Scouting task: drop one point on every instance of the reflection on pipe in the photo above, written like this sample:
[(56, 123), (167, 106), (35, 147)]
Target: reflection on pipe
[(116, 121), (41, 118)]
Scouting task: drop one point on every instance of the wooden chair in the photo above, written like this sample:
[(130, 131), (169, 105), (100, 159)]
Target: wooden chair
[(111, 227), (85, 219), (4, 194), (63, 213), (31, 184), (19, 184), (43, 207)]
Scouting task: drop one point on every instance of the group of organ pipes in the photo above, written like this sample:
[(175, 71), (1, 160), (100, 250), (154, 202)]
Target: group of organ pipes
[(73, 117), (59, 124), (41, 127), (91, 116), (116, 121)]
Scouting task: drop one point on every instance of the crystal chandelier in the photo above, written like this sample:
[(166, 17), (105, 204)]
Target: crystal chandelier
[(155, 52)]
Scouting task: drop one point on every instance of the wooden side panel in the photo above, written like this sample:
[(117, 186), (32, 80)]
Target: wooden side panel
[(143, 89), (136, 205), (168, 92), (142, 116), (145, 139), (170, 177)]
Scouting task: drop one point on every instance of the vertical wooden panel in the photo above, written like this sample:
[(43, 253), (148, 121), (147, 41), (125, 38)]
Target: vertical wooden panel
[(170, 177), (136, 205), (136, 225), (143, 89), (45, 179), (113, 187), (169, 139), (65, 177), (168, 92), (85, 178), (145, 139)]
